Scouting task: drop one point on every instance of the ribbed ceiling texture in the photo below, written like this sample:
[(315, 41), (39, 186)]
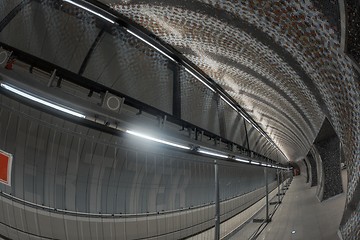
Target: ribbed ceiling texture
[(280, 60)]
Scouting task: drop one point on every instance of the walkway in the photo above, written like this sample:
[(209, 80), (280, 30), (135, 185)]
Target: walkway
[(301, 215)]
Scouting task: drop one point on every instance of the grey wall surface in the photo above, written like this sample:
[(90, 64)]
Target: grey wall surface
[(64, 165), (20, 221), (86, 174)]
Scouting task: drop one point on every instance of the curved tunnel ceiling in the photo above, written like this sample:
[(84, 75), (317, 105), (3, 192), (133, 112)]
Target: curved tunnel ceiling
[(280, 61)]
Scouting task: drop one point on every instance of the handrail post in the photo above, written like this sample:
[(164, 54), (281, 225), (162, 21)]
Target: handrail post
[(267, 193), (217, 203)]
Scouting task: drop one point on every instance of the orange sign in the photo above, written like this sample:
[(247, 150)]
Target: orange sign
[(5, 167)]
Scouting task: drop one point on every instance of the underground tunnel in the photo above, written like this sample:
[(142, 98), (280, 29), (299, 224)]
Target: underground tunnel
[(193, 119)]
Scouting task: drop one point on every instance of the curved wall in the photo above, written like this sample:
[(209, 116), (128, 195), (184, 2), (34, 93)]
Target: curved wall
[(66, 37), (82, 172), (329, 155), (313, 167)]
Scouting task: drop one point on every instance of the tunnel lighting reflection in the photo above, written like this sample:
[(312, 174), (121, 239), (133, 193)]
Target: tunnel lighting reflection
[(245, 118), (172, 59), (41, 101), (89, 10), (157, 140), (242, 160), (151, 45), (228, 103), (198, 78), (77, 114), (255, 163), (212, 153)]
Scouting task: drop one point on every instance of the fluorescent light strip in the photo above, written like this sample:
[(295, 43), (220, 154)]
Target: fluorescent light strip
[(245, 118), (254, 163), (89, 10), (213, 153), (231, 105), (165, 54), (151, 45), (41, 101), (242, 160), (157, 140), (198, 78), (162, 52)]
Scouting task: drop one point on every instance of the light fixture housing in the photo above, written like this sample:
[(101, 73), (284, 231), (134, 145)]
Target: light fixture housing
[(241, 160), (144, 136), (42, 101), (206, 152), (255, 163)]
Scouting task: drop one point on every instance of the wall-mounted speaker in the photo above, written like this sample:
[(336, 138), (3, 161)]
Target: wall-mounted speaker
[(112, 102)]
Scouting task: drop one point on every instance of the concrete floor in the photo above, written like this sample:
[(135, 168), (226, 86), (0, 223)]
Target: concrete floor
[(302, 212), (251, 228)]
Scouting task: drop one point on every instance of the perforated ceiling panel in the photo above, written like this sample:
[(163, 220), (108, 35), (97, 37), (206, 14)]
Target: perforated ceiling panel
[(279, 60)]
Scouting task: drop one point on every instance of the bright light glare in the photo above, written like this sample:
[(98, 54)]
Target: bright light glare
[(41, 101), (212, 153), (157, 140), (168, 56), (242, 160), (228, 103), (151, 45), (89, 10), (255, 163), (202, 81)]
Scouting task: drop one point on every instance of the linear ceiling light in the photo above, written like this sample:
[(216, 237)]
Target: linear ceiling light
[(231, 105), (157, 140), (168, 56), (254, 163), (212, 153), (198, 78), (150, 44), (242, 160), (89, 10), (41, 101)]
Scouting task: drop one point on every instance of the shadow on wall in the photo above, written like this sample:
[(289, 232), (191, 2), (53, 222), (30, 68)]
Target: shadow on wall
[(326, 153)]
